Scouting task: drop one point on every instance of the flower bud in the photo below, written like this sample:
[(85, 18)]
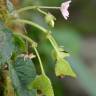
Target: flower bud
[(49, 18), (64, 9)]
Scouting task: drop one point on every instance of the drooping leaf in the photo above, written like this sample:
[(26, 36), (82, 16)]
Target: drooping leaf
[(43, 84), (6, 43), (23, 72), (63, 68)]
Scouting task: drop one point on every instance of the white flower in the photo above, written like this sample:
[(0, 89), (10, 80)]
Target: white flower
[(64, 9)]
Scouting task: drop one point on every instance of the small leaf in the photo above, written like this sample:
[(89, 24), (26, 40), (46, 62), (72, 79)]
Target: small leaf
[(43, 84), (63, 53), (6, 43), (22, 72), (63, 68)]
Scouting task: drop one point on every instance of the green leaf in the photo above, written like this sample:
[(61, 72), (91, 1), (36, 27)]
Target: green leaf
[(20, 45), (43, 84), (62, 53), (22, 72), (63, 68), (6, 43)]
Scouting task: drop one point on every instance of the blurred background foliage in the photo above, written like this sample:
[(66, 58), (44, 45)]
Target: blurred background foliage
[(77, 35)]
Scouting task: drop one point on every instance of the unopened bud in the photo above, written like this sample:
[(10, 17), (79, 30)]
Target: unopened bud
[(49, 18)]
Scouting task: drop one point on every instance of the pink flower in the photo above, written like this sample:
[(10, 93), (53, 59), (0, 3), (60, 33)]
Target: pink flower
[(64, 9)]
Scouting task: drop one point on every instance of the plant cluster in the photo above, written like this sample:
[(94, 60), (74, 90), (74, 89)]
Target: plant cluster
[(17, 69)]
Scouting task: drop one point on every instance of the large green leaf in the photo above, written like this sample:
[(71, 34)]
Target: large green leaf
[(22, 72), (6, 43), (43, 84), (63, 68)]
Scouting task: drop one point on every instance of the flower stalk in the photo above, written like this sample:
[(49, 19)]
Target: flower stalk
[(63, 8), (36, 7)]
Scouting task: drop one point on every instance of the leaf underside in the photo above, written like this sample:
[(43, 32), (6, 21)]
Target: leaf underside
[(6, 43), (22, 72)]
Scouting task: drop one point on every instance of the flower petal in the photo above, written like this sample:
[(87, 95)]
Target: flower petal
[(64, 9)]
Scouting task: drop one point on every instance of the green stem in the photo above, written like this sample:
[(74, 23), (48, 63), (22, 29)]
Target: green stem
[(32, 24), (48, 7), (41, 65), (35, 7), (54, 41), (25, 37), (54, 44), (41, 11), (34, 45), (50, 37), (26, 8)]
